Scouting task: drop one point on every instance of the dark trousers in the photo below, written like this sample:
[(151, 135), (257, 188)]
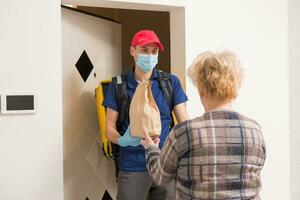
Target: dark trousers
[(139, 186)]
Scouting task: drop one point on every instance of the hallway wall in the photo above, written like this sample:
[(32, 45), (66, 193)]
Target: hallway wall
[(31, 166), (258, 32)]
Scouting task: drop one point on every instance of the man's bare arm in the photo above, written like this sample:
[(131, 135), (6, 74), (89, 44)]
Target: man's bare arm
[(181, 112)]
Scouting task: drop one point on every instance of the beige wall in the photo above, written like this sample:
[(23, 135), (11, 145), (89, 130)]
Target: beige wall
[(133, 21)]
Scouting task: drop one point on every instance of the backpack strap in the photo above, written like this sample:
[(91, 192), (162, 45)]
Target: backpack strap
[(165, 84), (121, 91)]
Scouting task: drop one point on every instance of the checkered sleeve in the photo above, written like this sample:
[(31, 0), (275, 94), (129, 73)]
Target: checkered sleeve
[(162, 164)]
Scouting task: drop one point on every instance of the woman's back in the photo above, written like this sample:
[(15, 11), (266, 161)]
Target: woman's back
[(220, 156)]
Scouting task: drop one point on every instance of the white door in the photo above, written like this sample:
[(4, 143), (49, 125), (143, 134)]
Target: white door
[(91, 51)]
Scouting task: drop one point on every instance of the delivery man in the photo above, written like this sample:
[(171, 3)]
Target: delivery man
[(134, 182)]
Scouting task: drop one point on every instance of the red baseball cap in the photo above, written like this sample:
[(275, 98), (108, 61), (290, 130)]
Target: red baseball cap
[(144, 37)]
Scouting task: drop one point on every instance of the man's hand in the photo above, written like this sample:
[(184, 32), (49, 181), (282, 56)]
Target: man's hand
[(128, 140)]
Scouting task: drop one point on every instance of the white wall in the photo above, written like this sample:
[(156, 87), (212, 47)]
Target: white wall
[(294, 40), (258, 32), (31, 145)]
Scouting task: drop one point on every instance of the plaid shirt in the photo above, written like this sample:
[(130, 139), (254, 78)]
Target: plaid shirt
[(216, 156)]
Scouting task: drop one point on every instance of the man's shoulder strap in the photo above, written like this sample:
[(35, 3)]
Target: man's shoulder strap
[(121, 92), (165, 83), (120, 86)]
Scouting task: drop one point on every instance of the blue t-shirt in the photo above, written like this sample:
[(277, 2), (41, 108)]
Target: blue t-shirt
[(132, 159)]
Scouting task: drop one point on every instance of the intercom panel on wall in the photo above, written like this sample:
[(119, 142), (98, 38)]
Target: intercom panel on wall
[(17, 103)]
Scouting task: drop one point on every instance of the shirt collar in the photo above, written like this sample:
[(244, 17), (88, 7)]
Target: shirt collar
[(132, 83)]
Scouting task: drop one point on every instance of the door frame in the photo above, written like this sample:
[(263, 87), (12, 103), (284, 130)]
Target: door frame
[(177, 26)]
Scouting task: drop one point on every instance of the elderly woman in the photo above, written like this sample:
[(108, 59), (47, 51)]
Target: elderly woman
[(220, 154)]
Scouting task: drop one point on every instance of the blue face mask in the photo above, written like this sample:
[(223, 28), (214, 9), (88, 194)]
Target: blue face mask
[(147, 62)]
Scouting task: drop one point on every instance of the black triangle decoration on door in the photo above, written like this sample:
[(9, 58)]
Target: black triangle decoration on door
[(106, 196), (84, 66)]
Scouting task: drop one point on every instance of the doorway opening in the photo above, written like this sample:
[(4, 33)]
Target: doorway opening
[(98, 35)]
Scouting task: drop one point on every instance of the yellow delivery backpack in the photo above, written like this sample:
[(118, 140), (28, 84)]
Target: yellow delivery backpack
[(100, 92)]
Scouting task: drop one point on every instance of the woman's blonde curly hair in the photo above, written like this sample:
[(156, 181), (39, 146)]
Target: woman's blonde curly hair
[(217, 75)]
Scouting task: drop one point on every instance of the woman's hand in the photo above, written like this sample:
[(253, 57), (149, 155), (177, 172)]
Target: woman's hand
[(147, 141)]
